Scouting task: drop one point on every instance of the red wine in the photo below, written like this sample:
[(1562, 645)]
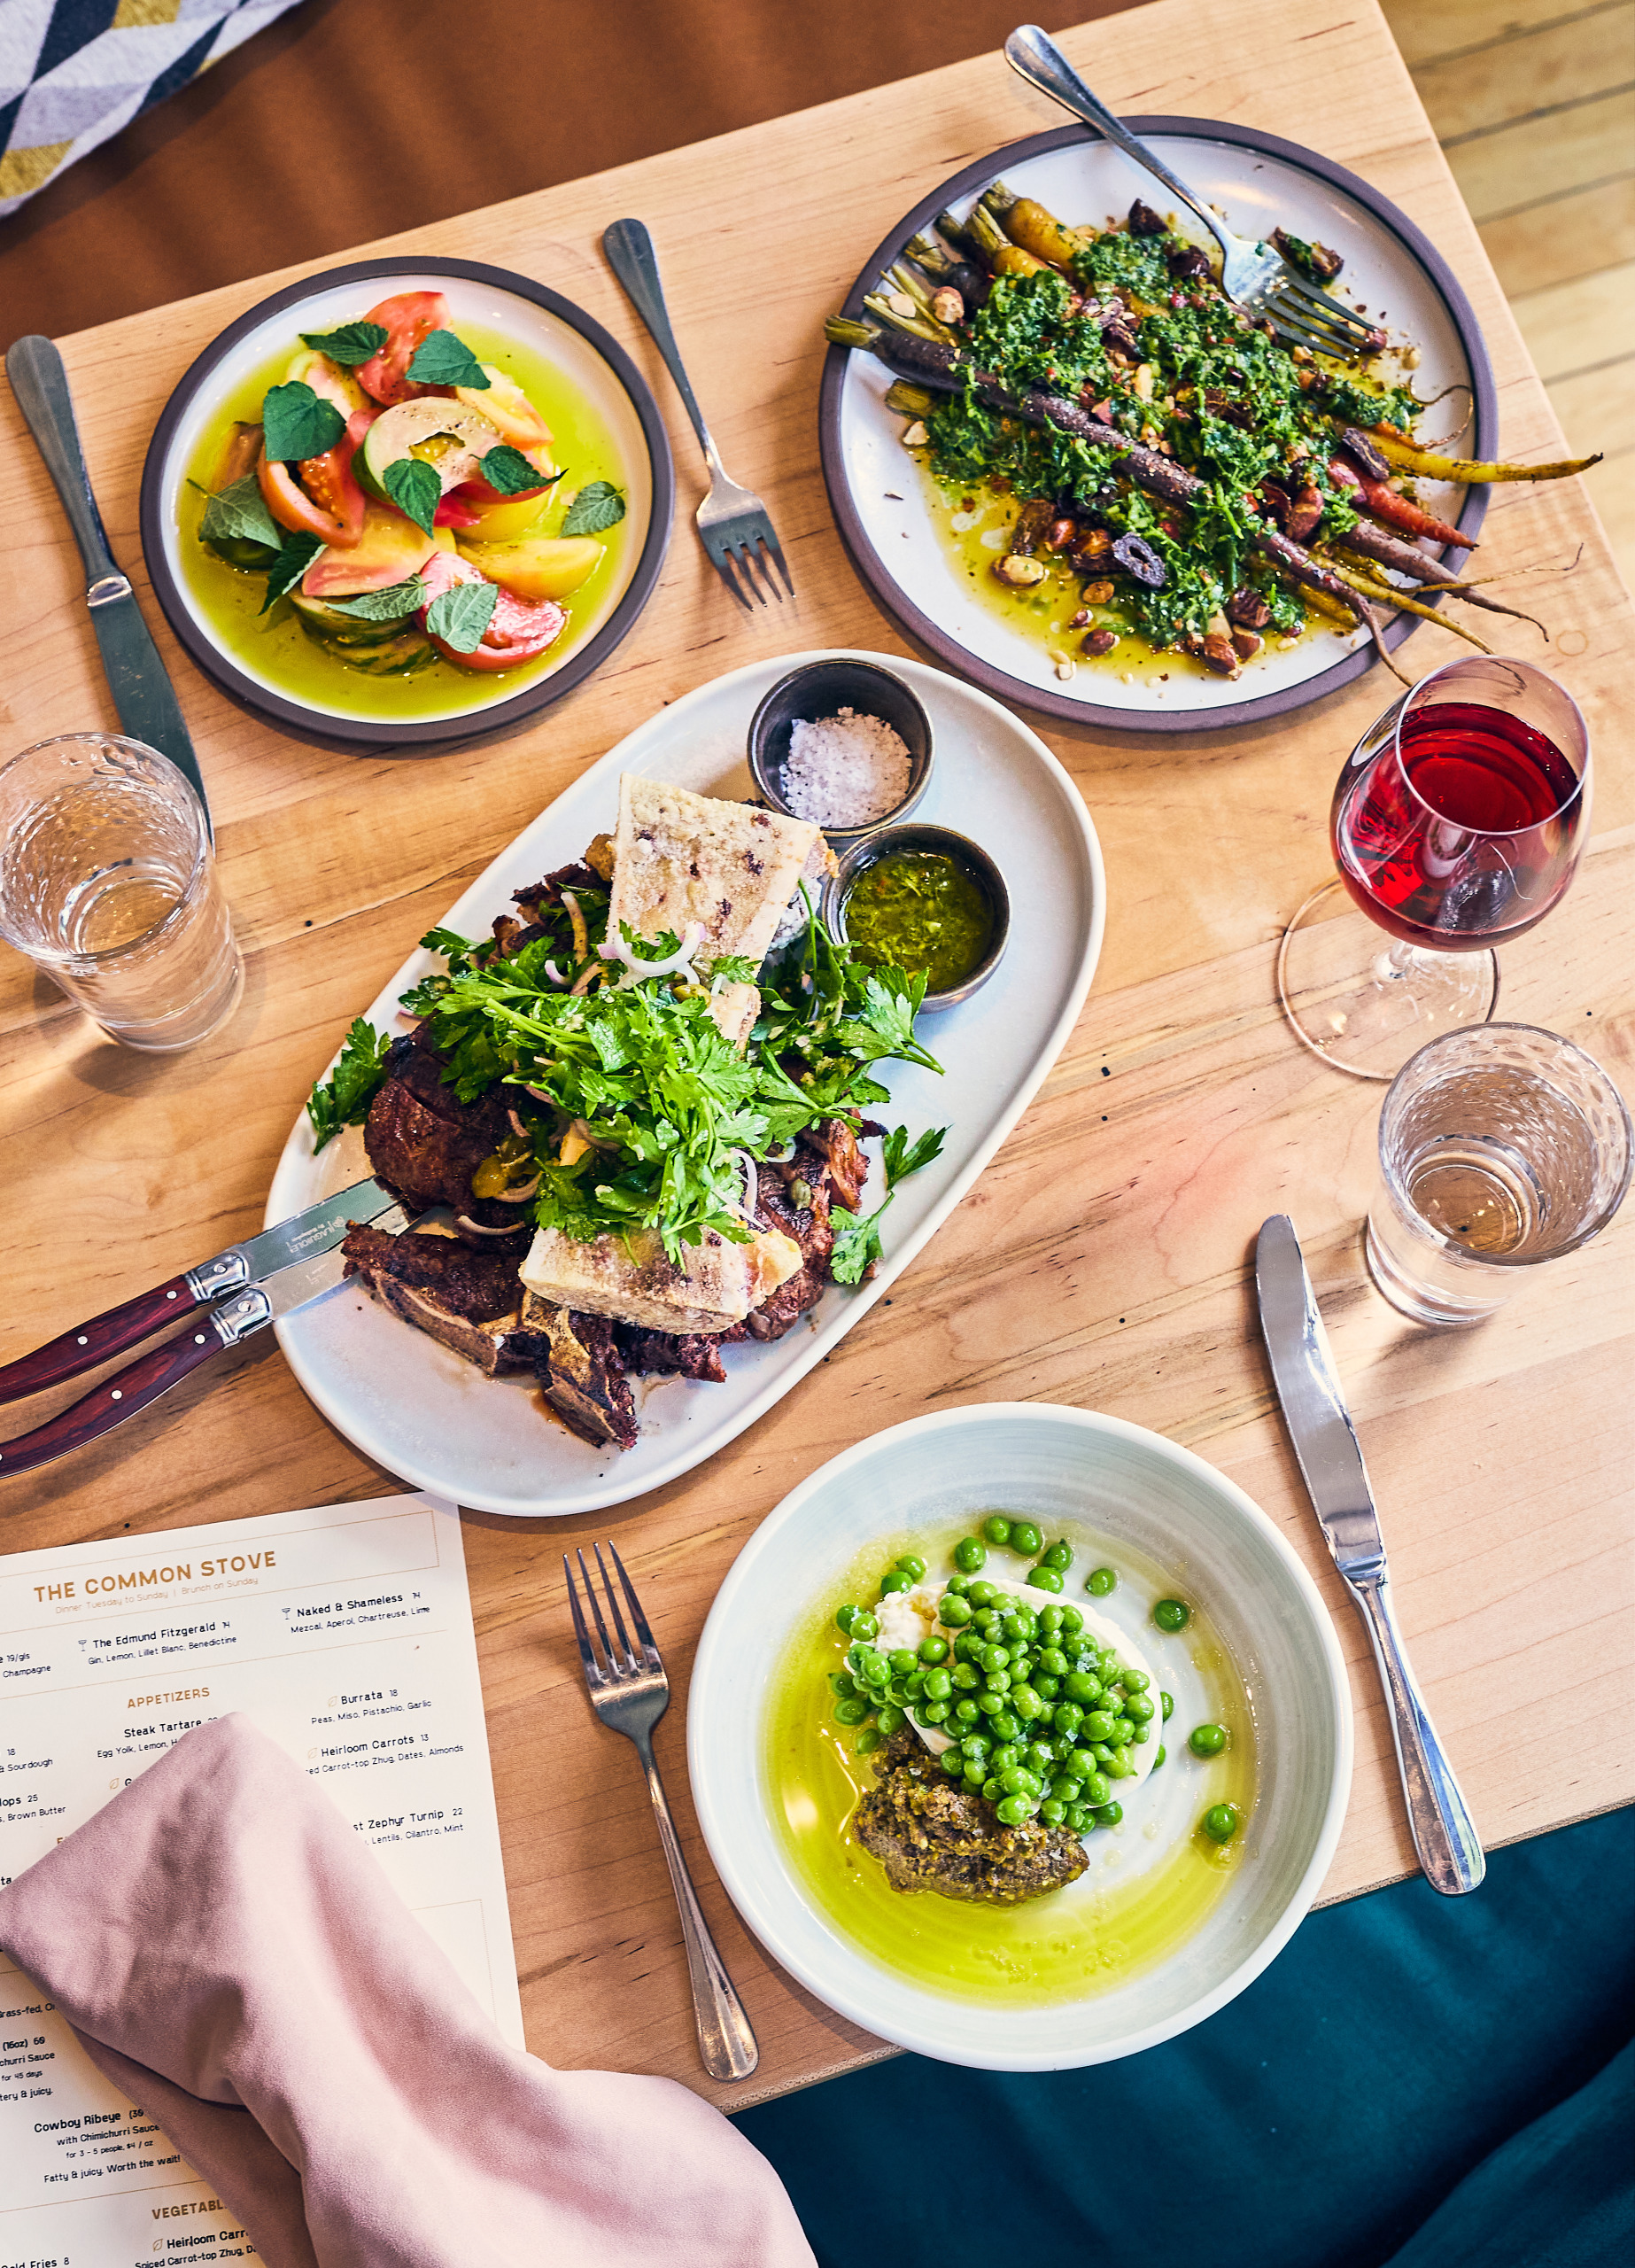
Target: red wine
[(1466, 838)]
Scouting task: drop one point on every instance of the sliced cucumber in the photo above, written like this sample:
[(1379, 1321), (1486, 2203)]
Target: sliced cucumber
[(443, 433)]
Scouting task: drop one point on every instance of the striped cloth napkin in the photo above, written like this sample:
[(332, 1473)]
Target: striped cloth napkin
[(74, 72)]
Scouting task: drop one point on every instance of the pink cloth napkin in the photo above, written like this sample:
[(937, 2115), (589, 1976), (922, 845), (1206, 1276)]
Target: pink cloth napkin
[(236, 1960)]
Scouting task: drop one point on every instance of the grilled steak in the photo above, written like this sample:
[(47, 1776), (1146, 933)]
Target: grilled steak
[(580, 1370), (425, 1143), (929, 1834), (695, 1354), (470, 1301)]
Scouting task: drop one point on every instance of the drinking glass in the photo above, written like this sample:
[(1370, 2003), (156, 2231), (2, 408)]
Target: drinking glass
[(1500, 1147), (108, 884), (1457, 824)]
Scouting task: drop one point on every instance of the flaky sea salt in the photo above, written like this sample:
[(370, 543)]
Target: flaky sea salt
[(845, 771)]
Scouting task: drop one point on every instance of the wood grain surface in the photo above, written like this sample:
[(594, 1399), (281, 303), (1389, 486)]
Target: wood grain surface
[(1103, 1258)]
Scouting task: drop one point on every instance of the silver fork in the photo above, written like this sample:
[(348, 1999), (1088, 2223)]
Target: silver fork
[(732, 522), (630, 1692), (1259, 279)]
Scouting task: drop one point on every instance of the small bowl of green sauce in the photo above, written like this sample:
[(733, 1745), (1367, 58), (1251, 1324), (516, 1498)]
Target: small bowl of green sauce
[(924, 900)]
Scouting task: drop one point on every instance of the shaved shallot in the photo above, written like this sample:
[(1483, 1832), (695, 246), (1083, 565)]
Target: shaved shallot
[(637, 971), (555, 974), (581, 932), (752, 1187), (478, 1229), (520, 1195), (517, 1126)]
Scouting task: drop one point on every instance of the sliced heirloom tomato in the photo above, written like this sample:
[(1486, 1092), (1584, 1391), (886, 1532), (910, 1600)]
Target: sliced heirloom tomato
[(327, 501), (516, 632), (408, 320), (504, 404)]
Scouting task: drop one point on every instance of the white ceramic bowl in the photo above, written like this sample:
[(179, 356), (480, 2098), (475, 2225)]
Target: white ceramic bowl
[(1064, 1465)]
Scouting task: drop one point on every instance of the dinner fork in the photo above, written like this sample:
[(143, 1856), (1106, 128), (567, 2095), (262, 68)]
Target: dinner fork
[(1257, 278), (732, 522), (630, 1692)]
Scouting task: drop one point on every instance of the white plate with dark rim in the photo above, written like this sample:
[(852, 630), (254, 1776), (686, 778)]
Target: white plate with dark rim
[(537, 319), (1068, 1467), (1259, 181), (431, 1418)]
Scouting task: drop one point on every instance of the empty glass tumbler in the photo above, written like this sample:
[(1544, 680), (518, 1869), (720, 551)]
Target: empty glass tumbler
[(1500, 1147), (108, 883)]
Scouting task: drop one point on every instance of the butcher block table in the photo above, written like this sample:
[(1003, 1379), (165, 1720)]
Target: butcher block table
[(1103, 1260)]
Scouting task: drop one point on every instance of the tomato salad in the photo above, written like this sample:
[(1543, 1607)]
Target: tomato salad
[(393, 489)]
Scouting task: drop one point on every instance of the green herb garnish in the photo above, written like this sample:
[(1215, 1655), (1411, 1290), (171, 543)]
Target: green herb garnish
[(343, 1097), (857, 1240), (297, 424), (507, 471), (238, 514), (414, 488), (598, 505), (352, 344), (442, 360), (399, 598), (459, 616), (295, 556)]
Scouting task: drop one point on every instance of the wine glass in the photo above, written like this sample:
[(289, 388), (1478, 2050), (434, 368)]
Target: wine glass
[(1457, 824)]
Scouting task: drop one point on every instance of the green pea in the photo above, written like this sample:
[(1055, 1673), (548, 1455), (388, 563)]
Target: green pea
[(1139, 1710), (994, 1658), (896, 1691), (1044, 1578), (912, 1565), (1012, 1810), (1025, 1538), (1135, 1680), (939, 1686), (843, 1683), (1045, 1686), (957, 1585), (1052, 1660), (914, 1685), (969, 1555), (1078, 1763), (1122, 1733), (1015, 1780), (1167, 1701), (1101, 1582), (1118, 1766), (903, 1659), (990, 1704), (1159, 1757), (1072, 1621), (966, 1710), (1050, 1620), (890, 1720), (1098, 1725), (1206, 1740), (1052, 1812), (1221, 1822), (1142, 1734), (864, 1625), (1171, 1614), (850, 1710), (1063, 1788), (997, 1528), (1098, 1791), (966, 1677), (867, 1741), (933, 1713), (1026, 1703), (1006, 1755), (1039, 1756), (953, 1763), (895, 1580), (1007, 1724), (992, 1792), (935, 1650), (976, 1744), (1058, 1554), (1080, 1685), (1078, 1819), (1108, 1814), (981, 1594), (845, 1616), (1067, 1717), (953, 1611)]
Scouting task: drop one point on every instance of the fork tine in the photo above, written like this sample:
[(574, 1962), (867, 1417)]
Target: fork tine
[(1303, 334), (614, 1669), (613, 1604), (741, 560), (757, 570), (638, 1619), (1313, 326), (770, 546), (723, 562), (1324, 304), (587, 1653)]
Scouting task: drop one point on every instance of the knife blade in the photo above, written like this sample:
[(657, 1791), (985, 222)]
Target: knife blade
[(1337, 1480), (317, 1230), (140, 1383), (143, 693)]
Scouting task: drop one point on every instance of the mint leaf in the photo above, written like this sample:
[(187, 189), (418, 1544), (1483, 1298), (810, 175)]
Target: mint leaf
[(384, 606), (509, 471), (461, 615), (442, 360), (297, 424), (352, 344), (295, 556), (598, 505), (414, 488), (343, 1097), (238, 514)]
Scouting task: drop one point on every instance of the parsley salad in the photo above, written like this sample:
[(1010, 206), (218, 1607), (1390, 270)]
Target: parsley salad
[(635, 1113), (395, 507)]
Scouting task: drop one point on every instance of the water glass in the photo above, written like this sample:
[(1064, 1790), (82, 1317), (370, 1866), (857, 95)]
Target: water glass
[(1500, 1147), (107, 882)]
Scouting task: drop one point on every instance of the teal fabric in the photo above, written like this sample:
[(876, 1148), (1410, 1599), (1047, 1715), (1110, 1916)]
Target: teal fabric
[(1416, 2082)]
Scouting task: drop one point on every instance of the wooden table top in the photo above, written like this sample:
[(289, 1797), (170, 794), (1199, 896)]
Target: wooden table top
[(1103, 1258)]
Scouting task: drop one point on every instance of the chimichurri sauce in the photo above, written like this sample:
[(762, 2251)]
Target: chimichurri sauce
[(917, 910)]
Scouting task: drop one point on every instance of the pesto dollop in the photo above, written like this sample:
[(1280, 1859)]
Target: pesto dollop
[(921, 911)]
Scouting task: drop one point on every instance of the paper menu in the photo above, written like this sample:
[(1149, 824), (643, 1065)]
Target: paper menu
[(346, 1634)]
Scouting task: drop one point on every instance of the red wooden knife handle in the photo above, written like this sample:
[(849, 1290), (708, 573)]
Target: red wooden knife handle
[(93, 1342), (110, 1404)]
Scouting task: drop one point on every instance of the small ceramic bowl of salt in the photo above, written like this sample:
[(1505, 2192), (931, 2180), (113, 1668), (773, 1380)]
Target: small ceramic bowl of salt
[(843, 743)]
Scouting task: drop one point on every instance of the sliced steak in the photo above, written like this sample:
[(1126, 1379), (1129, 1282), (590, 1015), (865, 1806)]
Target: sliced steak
[(692, 1355), (581, 1372), (931, 1834), (470, 1301), (425, 1143)]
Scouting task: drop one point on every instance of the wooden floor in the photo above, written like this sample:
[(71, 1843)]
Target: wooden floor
[(1534, 103)]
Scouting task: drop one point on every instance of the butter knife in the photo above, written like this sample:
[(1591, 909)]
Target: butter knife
[(1337, 1480), (143, 693)]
